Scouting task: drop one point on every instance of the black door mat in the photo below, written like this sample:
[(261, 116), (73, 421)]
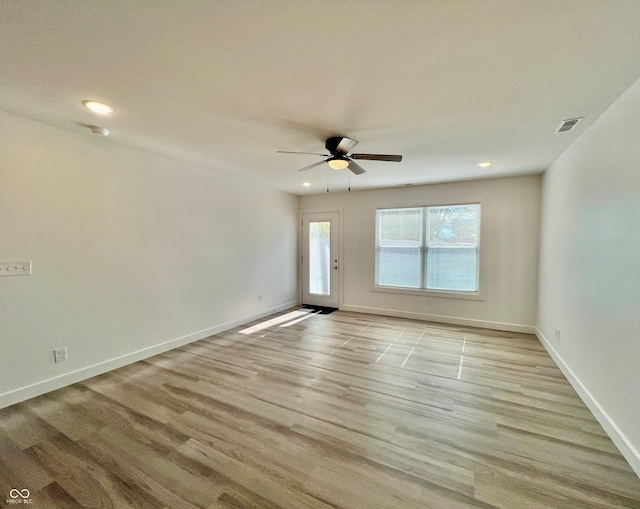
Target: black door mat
[(323, 310)]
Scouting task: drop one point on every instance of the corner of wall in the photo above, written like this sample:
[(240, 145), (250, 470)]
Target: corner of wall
[(625, 447)]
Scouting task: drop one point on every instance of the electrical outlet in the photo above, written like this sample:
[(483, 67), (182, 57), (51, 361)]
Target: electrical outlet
[(60, 354), (557, 334)]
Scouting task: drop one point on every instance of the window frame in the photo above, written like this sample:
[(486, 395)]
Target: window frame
[(423, 291)]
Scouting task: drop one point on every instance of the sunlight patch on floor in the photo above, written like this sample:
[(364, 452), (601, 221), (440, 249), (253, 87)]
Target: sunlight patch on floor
[(283, 321)]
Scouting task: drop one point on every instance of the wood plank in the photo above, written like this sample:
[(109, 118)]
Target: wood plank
[(344, 410)]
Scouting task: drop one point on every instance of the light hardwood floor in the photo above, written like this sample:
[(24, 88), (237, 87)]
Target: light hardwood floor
[(315, 411)]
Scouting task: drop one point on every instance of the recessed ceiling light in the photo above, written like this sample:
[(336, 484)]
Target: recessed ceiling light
[(306, 184), (99, 108), (485, 164)]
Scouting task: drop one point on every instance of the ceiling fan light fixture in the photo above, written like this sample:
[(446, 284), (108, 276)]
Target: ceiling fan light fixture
[(338, 163), (485, 164), (306, 184)]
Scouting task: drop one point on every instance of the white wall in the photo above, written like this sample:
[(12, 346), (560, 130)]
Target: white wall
[(590, 269), (509, 251), (129, 251)]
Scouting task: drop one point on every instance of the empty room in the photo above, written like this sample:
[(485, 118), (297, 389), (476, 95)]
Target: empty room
[(297, 254)]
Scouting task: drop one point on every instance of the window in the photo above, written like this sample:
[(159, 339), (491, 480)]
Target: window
[(428, 248)]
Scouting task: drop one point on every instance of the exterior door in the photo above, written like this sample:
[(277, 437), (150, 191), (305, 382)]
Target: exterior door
[(320, 259)]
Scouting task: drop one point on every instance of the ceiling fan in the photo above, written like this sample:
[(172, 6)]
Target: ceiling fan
[(338, 158)]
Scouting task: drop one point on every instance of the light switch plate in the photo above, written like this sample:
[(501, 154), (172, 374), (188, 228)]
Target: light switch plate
[(15, 268)]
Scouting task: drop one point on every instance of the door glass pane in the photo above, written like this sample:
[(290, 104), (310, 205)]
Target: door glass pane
[(320, 257)]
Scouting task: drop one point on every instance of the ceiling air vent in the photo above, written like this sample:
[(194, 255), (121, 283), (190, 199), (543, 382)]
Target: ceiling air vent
[(567, 125)]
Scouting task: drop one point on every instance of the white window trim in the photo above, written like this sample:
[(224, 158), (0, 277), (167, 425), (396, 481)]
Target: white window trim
[(422, 292)]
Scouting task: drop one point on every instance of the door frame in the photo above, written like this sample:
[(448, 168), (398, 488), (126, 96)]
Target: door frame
[(340, 238)]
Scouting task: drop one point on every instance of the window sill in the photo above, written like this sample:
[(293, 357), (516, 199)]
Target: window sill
[(419, 292)]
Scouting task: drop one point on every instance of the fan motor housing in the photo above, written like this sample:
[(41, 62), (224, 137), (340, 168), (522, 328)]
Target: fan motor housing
[(332, 144)]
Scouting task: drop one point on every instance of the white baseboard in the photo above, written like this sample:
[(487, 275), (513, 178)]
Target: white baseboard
[(510, 327), (44, 386), (626, 448)]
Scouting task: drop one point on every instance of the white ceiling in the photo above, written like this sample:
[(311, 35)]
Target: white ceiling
[(225, 84)]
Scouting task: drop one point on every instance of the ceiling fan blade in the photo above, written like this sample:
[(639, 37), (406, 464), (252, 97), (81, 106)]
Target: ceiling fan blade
[(340, 144), (356, 168), (378, 157), (345, 145), (313, 165), (310, 153)]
